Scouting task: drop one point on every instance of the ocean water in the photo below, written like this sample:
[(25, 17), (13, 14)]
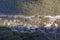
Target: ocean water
[(8, 7)]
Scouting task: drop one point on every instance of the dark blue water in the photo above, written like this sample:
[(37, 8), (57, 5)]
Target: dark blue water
[(8, 7)]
